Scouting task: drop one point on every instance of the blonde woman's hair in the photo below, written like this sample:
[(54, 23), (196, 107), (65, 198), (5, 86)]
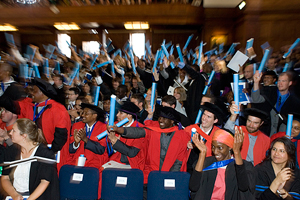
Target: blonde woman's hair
[(182, 93), (27, 126), (223, 68)]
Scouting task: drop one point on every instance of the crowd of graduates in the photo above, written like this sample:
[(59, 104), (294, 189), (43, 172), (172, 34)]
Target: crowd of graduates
[(179, 113)]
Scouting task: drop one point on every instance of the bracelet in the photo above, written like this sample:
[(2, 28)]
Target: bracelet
[(278, 192)]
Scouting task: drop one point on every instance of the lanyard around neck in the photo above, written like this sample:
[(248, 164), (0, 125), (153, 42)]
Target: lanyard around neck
[(35, 117), (88, 134)]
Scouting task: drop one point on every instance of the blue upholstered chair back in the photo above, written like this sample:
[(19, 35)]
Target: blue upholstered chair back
[(125, 184), (80, 183), (168, 185)]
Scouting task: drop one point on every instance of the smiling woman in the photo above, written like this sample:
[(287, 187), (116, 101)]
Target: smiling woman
[(36, 179), (220, 176), (277, 177)]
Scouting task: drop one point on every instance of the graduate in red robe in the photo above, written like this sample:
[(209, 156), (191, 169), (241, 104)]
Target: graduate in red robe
[(84, 140), (256, 143), (50, 116), (212, 115), (128, 151), (166, 143)]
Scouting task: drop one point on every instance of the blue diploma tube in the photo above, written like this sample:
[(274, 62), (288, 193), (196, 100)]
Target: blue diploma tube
[(236, 89), (172, 50), (179, 53), (200, 52), (132, 62), (264, 60), (192, 134), (188, 42), (123, 78), (73, 75), (229, 50), (286, 66), (165, 50), (292, 47), (153, 95), (36, 70), (47, 67), (198, 116), (148, 48), (112, 110), (94, 60), (289, 125), (119, 124), (97, 95), (58, 66), (126, 45), (77, 66), (161, 56), (118, 52), (172, 65), (254, 68), (168, 44), (155, 61), (104, 63), (209, 81)]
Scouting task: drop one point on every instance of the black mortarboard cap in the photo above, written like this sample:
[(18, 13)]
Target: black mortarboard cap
[(129, 108), (255, 113), (45, 87), (99, 111), (169, 113)]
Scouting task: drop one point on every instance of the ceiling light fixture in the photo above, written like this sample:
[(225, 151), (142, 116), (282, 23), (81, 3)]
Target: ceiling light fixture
[(136, 25), (242, 5), (28, 1), (8, 27), (65, 26)]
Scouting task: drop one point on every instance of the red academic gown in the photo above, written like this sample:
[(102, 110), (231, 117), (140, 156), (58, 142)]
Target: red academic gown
[(261, 146), (207, 137), (92, 159), (177, 148), (137, 162), (54, 116), (282, 134)]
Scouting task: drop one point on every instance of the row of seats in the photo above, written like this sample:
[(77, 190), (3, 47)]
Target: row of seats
[(81, 183)]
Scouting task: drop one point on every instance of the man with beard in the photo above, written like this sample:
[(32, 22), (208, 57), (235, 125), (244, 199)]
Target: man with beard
[(256, 143)]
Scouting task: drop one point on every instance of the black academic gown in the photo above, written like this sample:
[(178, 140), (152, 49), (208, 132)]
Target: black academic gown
[(264, 176), (238, 179), (38, 171)]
